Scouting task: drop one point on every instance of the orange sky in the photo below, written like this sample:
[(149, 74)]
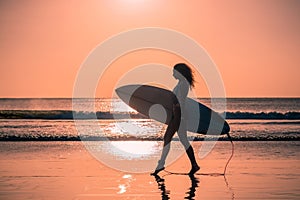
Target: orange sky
[(254, 43)]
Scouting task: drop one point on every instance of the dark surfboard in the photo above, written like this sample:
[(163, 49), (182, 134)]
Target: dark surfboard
[(157, 103)]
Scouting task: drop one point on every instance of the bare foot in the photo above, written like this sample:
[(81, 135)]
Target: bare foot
[(194, 169), (157, 171)]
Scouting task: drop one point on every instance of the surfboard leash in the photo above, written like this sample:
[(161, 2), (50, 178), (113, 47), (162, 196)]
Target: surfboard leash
[(232, 152), (211, 174)]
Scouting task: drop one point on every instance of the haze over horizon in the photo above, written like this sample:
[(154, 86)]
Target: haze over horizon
[(255, 44)]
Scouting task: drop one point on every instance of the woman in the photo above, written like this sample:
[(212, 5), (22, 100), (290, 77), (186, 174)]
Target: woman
[(185, 77)]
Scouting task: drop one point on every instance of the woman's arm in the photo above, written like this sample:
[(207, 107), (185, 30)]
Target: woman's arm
[(181, 95), (183, 89)]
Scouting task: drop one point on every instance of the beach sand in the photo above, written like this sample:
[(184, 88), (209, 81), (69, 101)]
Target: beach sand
[(66, 170)]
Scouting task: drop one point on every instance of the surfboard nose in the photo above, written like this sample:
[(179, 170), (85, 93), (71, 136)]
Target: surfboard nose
[(125, 92)]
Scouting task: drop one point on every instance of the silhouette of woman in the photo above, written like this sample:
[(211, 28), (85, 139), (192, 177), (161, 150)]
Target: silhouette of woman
[(185, 77)]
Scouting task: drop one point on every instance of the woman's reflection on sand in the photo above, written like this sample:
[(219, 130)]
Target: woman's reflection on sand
[(165, 193), (191, 193)]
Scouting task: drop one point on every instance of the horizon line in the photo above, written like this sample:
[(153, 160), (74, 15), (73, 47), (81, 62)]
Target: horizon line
[(205, 97)]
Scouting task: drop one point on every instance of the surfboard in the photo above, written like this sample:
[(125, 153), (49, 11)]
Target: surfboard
[(157, 103)]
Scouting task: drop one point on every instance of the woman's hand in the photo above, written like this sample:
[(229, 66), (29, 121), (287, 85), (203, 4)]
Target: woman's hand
[(175, 106)]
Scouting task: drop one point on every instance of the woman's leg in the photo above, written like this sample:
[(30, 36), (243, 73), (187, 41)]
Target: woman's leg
[(182, 134), (171, 129)]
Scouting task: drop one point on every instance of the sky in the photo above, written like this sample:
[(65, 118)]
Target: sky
[(254, 43)]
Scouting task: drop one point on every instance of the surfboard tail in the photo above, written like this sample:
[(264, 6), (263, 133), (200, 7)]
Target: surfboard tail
[(226, 128)]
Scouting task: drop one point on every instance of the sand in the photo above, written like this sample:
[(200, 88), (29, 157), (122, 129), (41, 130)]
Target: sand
[(66, 170)]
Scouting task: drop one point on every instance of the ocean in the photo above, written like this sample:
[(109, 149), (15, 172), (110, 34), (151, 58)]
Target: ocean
[(51, 119), (42, 156)]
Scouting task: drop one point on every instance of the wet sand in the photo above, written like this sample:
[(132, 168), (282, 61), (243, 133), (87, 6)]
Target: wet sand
[(66, 170)]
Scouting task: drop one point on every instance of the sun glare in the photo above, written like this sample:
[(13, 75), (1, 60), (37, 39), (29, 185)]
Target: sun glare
[(134, 5), (135, 149)]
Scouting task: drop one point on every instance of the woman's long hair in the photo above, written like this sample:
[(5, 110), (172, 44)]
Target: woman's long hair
[(186, 71)]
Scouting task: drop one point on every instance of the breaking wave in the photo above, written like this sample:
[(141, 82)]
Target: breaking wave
[(292, 137), (69, 114)]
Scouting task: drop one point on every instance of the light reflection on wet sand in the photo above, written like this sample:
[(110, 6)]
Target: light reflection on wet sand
[(65, 170)]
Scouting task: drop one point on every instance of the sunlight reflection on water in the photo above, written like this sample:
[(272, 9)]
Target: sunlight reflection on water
[(135, 149)]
